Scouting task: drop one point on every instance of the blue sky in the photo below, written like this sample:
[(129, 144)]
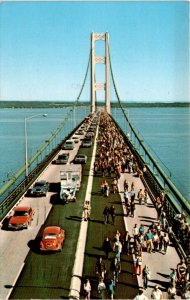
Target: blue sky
[(45, 48)]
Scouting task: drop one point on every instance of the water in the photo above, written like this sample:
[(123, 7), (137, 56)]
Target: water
[(165, 130), (166, 133), (39, 129)]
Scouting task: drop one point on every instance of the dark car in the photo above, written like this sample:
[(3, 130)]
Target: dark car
[(62, 158), (40, 188), (86, 143), (80, 159)]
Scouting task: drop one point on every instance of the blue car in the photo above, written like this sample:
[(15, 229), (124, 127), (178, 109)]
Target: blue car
[(40, 188)]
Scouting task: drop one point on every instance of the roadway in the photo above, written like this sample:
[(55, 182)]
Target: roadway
[(14, 245)]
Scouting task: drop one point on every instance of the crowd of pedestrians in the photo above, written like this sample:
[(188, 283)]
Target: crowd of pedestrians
[(115, 157)]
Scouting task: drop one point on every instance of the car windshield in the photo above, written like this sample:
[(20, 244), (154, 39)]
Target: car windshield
[(50, 236), (39, 184), (20, 213)]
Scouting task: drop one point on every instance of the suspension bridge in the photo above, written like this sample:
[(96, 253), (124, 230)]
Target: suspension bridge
[(29, 274)]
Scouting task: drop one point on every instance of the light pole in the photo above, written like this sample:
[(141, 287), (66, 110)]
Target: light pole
[(26, 140)]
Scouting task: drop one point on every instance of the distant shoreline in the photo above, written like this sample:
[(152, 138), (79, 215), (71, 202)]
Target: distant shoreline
[(62, 104)]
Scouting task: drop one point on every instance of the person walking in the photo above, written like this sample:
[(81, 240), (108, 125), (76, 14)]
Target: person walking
[(132, 208), (118, 249), (110, 289), (107, 247), (166, 242), (126, 242), (86, 209), (140, 296), (106, 214), (137, 265), (102, 288), (145, 276), (126, 185), (112, 212), (140, 196), (171, 291), (87, 289), (135, 232), (156, 293), (149, 240), (132, 194), (115, 268), (100, 268)]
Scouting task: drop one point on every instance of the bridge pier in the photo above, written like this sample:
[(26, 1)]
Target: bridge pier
[(100, 60)]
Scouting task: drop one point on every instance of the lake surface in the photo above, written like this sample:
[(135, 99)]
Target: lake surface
[(165, 131)]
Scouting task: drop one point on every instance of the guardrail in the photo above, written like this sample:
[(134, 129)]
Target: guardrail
[(23, 186)]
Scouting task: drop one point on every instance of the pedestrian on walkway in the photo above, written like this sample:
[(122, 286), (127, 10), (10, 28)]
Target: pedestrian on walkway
[(145, 276), (156, 293), (107, 246), (132, 208), (137, 265), (173, 277), (102, 288), (87, 289), (110, 289), (156, 240), (166, 242), (132, 194), (106, 214), (126, 242), (115, 268), (149, 237), (114, 185), (132, 186), (171, 291), (140, 196), (145, 196), (117, 248), (126, 185), (135, 232), (126, 197), (87, 210), (140, 296), (100, 268), (112, 212)]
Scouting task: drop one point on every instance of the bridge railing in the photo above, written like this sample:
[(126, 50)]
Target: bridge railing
[(156, 181), (15, 193)]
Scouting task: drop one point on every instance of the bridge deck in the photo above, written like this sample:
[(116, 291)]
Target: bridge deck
[(48, 276)]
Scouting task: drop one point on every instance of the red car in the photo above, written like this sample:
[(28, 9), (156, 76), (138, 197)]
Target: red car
[(22, 217), (52, 239)]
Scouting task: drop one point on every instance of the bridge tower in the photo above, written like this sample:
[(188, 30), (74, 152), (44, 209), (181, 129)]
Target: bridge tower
[(100, 60)]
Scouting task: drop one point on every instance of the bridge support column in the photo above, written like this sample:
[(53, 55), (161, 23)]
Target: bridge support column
[(100, 60)]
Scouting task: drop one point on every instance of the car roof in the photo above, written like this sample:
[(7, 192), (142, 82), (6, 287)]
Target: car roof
[(52, 229), (22, 208), (41, 181)]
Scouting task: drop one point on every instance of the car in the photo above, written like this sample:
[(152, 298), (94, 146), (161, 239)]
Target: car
[(80, 132), (69, 145), (80, 159), (86, 143), (75, 139), (52, 239), (62, 158), (21, 218), (90, 133), (40, 188)]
